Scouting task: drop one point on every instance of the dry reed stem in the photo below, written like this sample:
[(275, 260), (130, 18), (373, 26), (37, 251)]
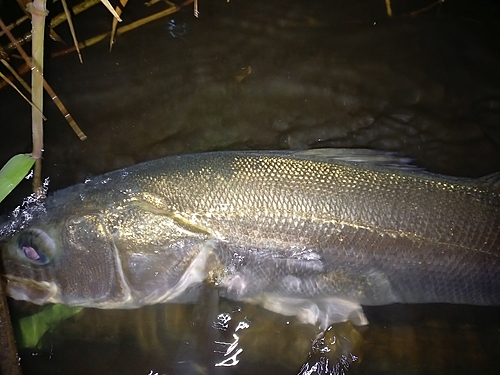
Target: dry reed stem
[(108, 5), (16, 76), (71, 29), (119, 10), (77, 9), (15, 23), (6, 79), (124, 29), (56, 21), (47, 87), (388, 7), (424, 9), (38, 13)]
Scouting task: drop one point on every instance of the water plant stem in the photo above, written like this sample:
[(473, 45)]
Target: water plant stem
[(38, 13)]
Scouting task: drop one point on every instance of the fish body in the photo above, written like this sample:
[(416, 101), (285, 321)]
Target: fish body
[(315, 234)]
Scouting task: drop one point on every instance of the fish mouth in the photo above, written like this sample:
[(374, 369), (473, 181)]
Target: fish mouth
[(37, 292)]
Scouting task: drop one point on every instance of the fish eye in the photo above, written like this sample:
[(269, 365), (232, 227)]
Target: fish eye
[(35, 246)]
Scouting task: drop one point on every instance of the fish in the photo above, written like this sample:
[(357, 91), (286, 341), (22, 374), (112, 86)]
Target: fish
[(315, 234)]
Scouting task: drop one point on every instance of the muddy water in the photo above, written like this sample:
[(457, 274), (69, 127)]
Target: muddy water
[(274, 75)]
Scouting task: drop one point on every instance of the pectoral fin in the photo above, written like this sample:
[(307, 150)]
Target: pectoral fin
[(194, 274)]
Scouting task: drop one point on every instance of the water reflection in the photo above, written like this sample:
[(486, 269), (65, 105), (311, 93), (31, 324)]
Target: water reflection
[(231, 350), (242, 339)]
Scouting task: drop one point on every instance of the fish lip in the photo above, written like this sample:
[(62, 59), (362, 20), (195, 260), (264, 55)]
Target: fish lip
[(37, 292)]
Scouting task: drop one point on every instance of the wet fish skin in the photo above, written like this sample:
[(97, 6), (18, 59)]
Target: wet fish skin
[(314, 234)]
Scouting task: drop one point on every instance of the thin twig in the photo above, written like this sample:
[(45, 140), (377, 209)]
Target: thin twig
[(108, 5), (20, 93), (16, 23), (424, 9), (17, 76), (77, 9), (71, 29), (56, 21), (119, 10), (124, 29), (388, 8)]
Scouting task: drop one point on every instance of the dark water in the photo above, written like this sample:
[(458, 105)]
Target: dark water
[(232, 338), (255, 74)]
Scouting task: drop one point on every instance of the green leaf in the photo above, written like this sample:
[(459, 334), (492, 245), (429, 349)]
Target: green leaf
[(34, 327), (13, 173)]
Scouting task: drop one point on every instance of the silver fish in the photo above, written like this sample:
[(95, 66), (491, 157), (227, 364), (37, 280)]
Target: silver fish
[(315, 234)]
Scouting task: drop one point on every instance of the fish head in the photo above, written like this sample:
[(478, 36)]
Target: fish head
[(107, 253), (68, 260)]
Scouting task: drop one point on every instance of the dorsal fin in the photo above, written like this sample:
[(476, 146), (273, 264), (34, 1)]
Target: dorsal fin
[(363, 157), (387, 162), (491, 180)]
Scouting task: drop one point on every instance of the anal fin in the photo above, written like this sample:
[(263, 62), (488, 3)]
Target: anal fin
[(325, 311)]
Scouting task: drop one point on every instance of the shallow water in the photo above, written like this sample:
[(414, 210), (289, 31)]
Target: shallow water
[(180, 339), (273, 75)]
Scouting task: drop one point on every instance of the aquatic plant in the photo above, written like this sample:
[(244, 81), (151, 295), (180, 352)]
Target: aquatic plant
[(13, 172), (33, 327)]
